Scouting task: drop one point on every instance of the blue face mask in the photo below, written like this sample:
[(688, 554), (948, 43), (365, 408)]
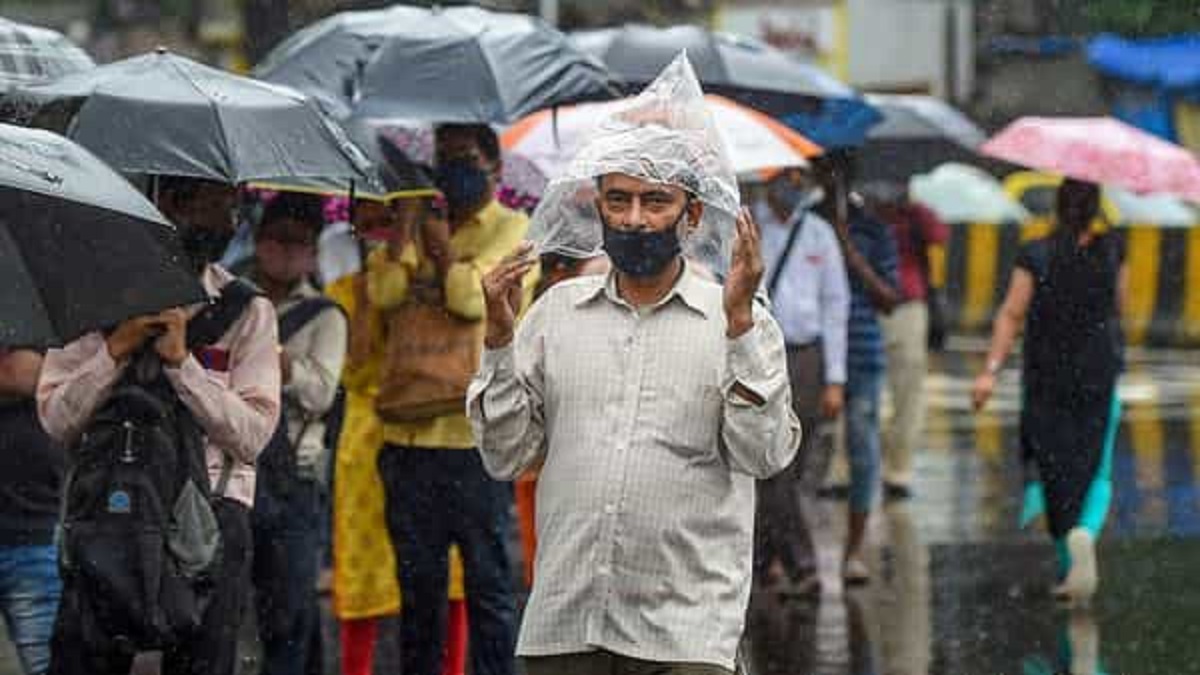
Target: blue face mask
[(642, 253), (463, 183)]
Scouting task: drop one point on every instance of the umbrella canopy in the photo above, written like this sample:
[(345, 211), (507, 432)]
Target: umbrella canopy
[(31, 54), (959, 193), (160, 113), (746, 70), (550, 139), (80, 248), (457, 64), (1100, 150), (399, 176), (918, 134)]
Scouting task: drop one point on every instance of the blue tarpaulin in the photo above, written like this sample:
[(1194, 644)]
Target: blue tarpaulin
[(1151, 77), (1171, 63), (837, 122)]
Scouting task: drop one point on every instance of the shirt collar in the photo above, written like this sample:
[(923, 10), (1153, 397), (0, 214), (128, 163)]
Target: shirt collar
[(686, 290)]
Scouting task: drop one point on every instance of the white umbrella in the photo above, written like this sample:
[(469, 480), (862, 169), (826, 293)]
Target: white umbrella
[(959, 193), (1154, 209)]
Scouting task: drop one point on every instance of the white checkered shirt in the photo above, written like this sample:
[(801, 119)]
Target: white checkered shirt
[(645, 504)]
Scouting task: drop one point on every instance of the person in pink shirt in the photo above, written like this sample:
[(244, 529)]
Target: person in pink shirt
[(231, 388)]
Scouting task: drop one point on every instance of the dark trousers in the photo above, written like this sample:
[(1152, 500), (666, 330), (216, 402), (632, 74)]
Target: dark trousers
[(211, 651), (783, 524), (607, 663), (286, 555), (435, 498)]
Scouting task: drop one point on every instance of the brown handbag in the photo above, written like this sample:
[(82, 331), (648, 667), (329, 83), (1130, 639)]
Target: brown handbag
[(430, 359)]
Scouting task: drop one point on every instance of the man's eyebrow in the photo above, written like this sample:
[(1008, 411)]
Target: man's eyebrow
[(658, 193)]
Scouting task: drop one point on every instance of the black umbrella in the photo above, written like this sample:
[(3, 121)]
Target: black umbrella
[(398, 175), (160, 113), (458, 64), (918, 134), (80, 248), (746, 70)]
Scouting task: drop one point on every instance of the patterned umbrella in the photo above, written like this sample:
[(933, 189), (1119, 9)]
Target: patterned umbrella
[(1101, 150), (29, 54)]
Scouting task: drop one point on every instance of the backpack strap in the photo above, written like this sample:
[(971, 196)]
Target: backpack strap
[(207, 327), (219, 316), (797, 219), (298, 315)]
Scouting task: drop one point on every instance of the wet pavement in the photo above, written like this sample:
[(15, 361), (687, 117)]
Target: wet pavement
[(959, 590)]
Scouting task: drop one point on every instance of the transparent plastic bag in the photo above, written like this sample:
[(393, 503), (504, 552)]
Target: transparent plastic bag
[(664, 134)]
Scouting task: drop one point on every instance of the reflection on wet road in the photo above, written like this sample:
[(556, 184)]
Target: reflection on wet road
[(959, 589)]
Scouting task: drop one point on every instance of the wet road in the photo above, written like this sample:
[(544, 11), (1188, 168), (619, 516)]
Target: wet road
[(959, 590)]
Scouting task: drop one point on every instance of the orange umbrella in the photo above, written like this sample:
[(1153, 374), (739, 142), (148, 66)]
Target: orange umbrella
[(753, 140)]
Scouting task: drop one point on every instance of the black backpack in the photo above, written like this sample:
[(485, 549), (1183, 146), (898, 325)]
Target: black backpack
[(141, 544), (277, 468)]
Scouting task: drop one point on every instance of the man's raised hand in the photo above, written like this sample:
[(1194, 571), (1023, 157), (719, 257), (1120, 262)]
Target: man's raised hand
[(502, 294)]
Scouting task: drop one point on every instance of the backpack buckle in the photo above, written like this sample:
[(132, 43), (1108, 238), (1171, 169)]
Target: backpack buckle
[(128, 455)]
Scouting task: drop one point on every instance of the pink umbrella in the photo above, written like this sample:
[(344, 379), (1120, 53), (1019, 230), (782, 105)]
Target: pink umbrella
[(1100, 150)]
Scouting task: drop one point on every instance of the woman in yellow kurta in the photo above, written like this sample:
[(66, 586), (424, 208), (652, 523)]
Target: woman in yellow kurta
[(364, 581)]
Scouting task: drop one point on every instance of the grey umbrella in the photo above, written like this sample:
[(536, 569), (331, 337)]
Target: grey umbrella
[(746, 70), (80, 248), (458, 64), (918, 134), (398, 174), (160, 113)]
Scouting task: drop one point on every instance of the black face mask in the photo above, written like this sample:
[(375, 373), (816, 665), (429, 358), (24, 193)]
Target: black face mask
[(202, 246), (463, 183), (641, 253)]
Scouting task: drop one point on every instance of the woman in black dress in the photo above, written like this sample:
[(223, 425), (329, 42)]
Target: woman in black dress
[(1065, 292)]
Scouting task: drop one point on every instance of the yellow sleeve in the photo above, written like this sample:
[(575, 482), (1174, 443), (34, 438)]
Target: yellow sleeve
[(463, 285), (464, 290), (388, 279)]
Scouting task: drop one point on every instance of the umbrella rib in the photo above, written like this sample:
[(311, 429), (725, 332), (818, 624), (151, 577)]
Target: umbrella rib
[(476, 44), (216, 110)]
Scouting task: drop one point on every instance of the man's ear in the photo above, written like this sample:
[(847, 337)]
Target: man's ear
[(695, 209)]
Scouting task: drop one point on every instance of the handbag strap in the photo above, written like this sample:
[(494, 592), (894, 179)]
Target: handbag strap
[(776, 274)]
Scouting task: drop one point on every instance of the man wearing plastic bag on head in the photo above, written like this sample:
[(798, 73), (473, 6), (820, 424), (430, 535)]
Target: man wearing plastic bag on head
[(652, 397)]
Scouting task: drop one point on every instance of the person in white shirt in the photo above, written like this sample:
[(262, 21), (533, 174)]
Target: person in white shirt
[(810, 298), (653, 398)]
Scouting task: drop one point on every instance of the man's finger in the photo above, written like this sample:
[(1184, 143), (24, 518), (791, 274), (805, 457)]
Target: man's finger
[(521, 252)]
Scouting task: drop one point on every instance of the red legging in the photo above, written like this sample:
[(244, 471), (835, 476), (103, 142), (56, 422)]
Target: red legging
[(358, 643)]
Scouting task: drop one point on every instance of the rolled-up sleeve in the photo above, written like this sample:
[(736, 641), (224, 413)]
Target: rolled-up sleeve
[(240, 416), (504, 404), (758, 437), (73, 383)]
